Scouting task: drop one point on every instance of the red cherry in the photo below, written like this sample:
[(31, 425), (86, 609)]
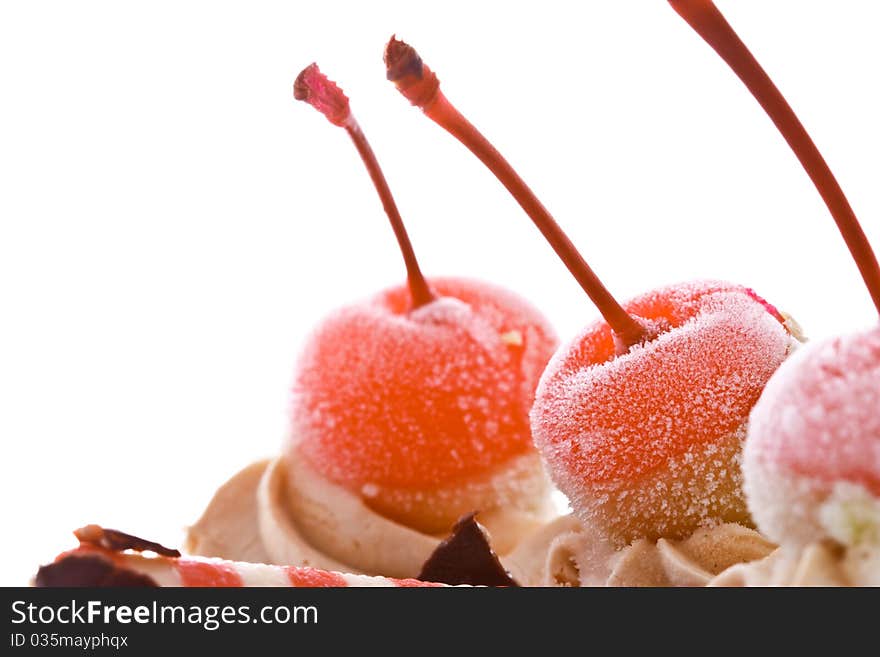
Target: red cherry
[(812, 456), (646, 444), (417, 410), (640, 418), (417, 399)]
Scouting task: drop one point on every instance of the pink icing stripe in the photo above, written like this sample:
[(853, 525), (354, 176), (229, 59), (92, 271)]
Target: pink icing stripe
[(312, 577), (413, 583), (203, 573)]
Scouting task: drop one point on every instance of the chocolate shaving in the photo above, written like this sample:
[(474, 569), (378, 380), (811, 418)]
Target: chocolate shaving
[(117, 541), (466, 557), (89, 570)]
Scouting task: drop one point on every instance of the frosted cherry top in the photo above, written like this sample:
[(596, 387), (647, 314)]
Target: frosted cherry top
[(389, 396), (819, 418), (605, 418)]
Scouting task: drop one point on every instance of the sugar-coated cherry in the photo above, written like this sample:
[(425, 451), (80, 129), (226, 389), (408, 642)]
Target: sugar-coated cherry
[(647, 443), (812, 456), (418, 398), (641, 418)]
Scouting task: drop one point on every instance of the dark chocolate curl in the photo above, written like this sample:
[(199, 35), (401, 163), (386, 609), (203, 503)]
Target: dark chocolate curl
[(466, 557), (88, 570), (117, 541)]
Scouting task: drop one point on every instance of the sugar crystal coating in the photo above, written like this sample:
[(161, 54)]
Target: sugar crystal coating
[(815, 432), (647, 443), (385, 396)]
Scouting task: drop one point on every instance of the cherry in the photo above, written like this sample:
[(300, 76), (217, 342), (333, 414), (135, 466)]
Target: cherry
[(417, 400), (641, 417), (812, 456)]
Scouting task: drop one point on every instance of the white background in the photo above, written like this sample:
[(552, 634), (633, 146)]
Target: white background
[(172, 223)]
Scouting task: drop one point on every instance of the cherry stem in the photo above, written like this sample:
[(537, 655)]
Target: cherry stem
[(705, 18), (324, 95), (420, 86)]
